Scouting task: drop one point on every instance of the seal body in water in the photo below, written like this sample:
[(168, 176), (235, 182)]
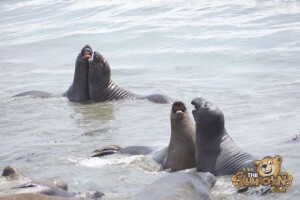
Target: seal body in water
[(179, 154), (18, 183), (178, 186), (216, 152), (102, 88), (79, 90), (92, 82), (18, 186)]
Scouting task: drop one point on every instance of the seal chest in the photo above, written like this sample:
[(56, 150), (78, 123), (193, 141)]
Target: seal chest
[(181, 150)]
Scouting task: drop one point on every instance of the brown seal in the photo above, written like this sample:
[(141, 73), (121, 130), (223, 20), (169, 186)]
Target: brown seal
[(179, 155)]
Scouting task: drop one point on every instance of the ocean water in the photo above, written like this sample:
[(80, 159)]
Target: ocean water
[(241, 55)]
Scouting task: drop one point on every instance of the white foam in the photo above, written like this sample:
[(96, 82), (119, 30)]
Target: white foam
[(98, 162)]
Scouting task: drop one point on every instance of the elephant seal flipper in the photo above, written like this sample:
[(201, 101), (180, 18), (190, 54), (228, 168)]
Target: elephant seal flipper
[(111, 149), (33, 196), (39, 94), (131, 150), (177, 186), (157, 98), (179, 154), (216, 152)]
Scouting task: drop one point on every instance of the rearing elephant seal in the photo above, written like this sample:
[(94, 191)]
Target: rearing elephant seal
[(216, 152), (102, 88), (179, 155), (92, 82), (79, 90)]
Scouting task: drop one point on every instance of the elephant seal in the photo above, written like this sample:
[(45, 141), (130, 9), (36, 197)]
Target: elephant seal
[(179, 185), (18, 186), (102, 88), (92, 82), (79, 90), (18, 183), (216, 152), (179, 155)]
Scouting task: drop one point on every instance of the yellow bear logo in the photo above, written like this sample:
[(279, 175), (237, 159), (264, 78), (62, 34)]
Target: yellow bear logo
[(269, 166)]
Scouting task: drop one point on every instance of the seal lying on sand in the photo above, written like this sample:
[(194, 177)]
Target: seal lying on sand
[(92, 82), (178, 186), (216, 152), (179, 155), (18, 186)]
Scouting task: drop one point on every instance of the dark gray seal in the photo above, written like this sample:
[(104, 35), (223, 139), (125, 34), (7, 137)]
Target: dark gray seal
[(216, 152), (102, 88), (92, 82), (18, 186), (179, 155), (178, 186), (79, 90)]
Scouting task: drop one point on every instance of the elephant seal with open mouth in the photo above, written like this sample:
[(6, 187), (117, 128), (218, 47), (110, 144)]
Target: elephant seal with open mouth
[(92, 82), (179, 155)]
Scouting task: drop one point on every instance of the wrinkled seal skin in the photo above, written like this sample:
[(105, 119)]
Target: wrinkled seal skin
[(179, 155), (178, 186), (102, 88), (18, 186), (216, 152), (79, 90)]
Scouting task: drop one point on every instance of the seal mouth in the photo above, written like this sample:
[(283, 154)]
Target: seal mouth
[(87, 53), (178, 107)]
